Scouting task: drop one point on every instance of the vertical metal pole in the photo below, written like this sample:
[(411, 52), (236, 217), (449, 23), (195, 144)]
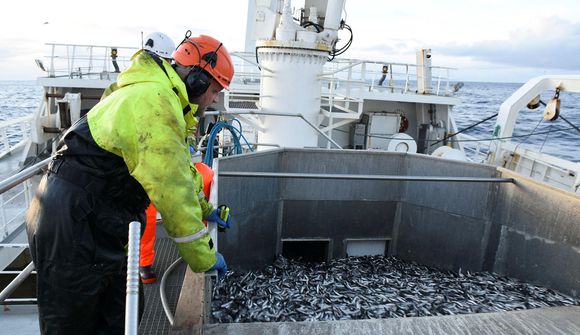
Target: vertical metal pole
[(447, 81), (51, 72), (90, 59), (438, 82), (363, 73), (27, 191), (105, 63), (330, 117), (132, 299), (72, 62), (406, 79), (3, 217)]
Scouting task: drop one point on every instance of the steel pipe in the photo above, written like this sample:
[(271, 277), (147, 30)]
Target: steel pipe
[(162, 294), (363, 177), (132, 298), (21, 176), (16, 282)]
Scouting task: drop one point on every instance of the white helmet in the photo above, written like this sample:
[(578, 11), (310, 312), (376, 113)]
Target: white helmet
[(160, 44)]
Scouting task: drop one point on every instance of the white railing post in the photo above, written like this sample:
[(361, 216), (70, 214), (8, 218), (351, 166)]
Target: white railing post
[(406, 78), (363, 73), (446, 81), (438, 82), (90, 60), (3, 217), (72, 61), (51, 72), (132, 298), (330, 118)]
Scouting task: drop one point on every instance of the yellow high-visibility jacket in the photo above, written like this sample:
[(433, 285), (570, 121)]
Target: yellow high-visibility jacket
[(143, 121)]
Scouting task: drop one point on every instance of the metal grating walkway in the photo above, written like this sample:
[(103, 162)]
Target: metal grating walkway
[(154, 320)]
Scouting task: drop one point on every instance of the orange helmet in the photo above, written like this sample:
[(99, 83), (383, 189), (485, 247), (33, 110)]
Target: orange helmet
[(208, 54)]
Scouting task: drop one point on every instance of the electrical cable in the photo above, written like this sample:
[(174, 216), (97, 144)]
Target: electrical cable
[(337, 52), (462, 130), (530, 134), (236, 136), (318, 27), (257, 61), (545, 138), (570, 123)]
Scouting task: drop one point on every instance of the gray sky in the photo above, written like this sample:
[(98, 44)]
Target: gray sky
[(486, 40)]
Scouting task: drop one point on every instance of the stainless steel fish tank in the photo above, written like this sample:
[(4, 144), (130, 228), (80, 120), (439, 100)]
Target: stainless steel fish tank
[(450, 215)]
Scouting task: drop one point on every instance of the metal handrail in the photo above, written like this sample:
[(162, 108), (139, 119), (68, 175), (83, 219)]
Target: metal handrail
[(132, 298), (364, 177), (7, 291), (23, 175), (313, 126), (6, 185), (132, 303)]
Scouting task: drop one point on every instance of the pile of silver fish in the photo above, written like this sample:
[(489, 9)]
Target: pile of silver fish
[(366, 288)]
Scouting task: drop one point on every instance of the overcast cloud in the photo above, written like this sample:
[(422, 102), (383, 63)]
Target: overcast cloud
[(486, 40), (552, 44)]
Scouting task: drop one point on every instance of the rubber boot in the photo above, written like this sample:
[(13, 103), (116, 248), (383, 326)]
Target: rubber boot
[(148, 276)]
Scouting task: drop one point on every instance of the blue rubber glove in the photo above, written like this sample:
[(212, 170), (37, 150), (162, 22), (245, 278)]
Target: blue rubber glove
[(221, 216), (220, 265)]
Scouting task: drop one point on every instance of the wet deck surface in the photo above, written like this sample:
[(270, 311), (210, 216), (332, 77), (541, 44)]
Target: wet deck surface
[(23, 319)]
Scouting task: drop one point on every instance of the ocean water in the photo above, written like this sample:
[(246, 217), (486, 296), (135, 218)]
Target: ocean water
[(479, 101), (19, 98), (557, 138)]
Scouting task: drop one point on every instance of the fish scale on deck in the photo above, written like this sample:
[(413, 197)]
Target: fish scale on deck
[(368, 287)]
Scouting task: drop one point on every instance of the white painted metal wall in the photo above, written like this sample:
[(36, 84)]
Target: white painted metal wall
[(292, 88)]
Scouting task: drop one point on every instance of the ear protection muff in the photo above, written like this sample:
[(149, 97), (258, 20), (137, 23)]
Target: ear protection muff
[(198, 80)]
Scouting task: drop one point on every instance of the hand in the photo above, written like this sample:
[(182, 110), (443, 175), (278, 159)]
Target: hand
[(221, 216), (220, 266)]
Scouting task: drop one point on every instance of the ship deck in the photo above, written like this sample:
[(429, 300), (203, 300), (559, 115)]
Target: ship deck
[(23, 319)]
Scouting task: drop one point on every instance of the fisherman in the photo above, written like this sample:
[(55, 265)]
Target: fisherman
[(163, 46), (128, 149), (114, 59), (385, 70)]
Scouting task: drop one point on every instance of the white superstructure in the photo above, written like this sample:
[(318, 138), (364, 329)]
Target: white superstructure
[(292, 61)]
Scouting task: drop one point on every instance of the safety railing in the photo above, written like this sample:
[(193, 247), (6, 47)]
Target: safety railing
[(132, 294), (18, 185), (7, 185), (344, 83), (475, 149), (400, 78), (348, 76), (85, 61)]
